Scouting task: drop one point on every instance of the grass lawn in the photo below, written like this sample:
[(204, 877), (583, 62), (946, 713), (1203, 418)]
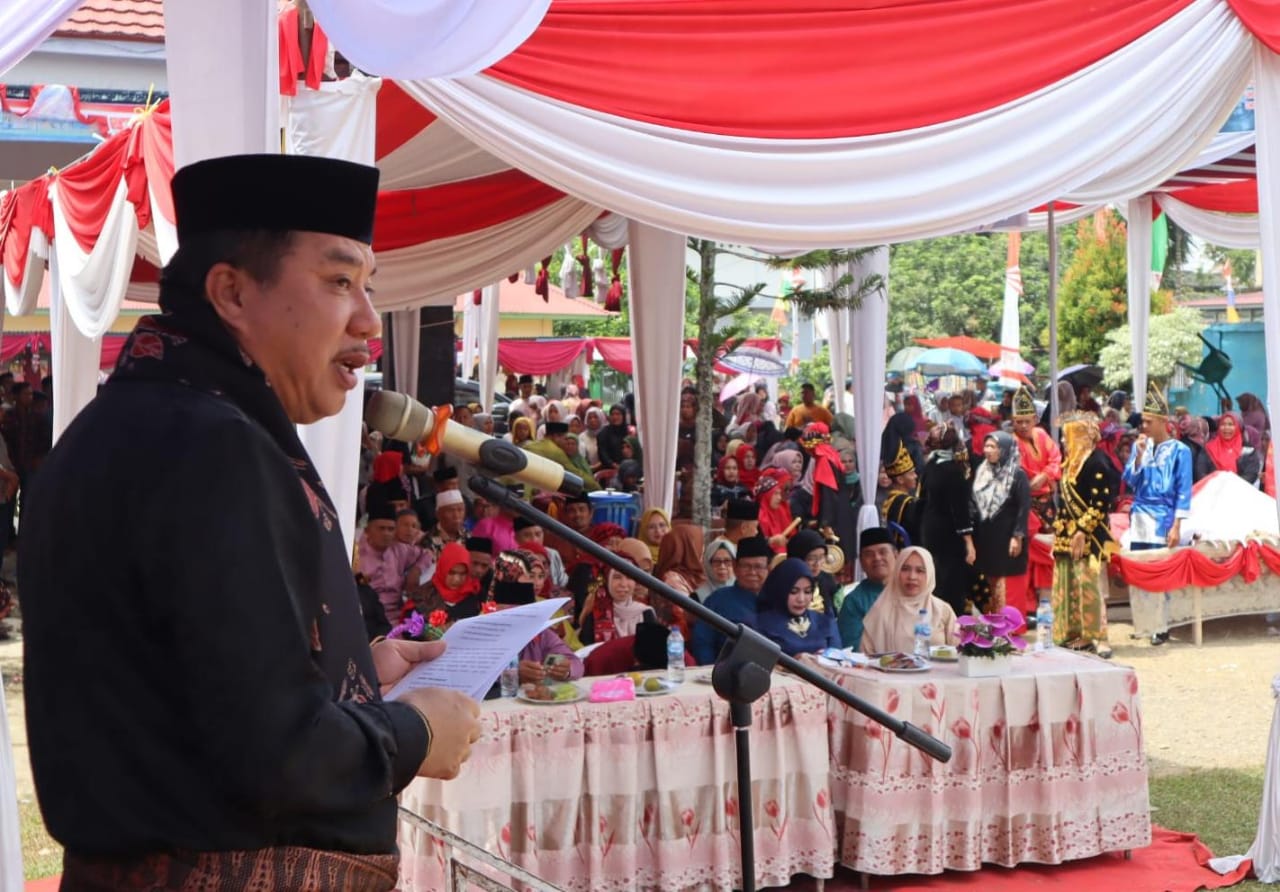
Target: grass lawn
[(1219, 805), (41, 856)]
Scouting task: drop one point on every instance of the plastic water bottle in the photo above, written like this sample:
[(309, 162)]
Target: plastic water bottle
[(923, 632), (1044, 625), (675, 657), (510, 679)]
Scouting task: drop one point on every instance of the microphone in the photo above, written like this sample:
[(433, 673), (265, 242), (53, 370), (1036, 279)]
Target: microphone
[(401, 417)]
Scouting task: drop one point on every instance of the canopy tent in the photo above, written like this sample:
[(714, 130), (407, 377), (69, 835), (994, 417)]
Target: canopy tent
[(946, 145)]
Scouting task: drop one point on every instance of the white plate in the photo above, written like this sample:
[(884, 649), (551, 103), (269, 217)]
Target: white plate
[(667, 688), (578, 695), (893, 669), (953, 657)]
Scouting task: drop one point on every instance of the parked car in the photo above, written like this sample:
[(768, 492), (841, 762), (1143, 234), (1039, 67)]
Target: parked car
[(464, 391)]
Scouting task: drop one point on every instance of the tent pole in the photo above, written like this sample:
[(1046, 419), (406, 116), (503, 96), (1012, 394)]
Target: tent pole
[(1053, 322)]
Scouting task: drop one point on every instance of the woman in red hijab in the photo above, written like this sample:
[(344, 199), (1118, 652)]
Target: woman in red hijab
[(451, 589), (773, 494), (748, 473), (1227, 445)]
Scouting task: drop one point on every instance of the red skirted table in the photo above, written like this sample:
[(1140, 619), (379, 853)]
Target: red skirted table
[(1173, 587), (636, 795), (1048, 766)]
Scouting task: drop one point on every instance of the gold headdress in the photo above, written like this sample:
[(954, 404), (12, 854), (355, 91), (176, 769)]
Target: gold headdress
[(1156, 405), (901, 463), (1023, 404)]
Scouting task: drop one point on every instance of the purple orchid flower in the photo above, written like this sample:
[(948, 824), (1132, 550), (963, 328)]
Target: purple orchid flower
[(989, 630)]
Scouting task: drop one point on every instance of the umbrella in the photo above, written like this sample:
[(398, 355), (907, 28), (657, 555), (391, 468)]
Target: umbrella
[(1082, 375), (753, 361), (947, 361), (1015, 369), (977, 346), (899, 361)]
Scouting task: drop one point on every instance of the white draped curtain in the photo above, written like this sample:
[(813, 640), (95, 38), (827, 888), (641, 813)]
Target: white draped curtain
[(1266, 80), (334, 443), (868, 335), (1138, 212), (427, 38), (656, 274), (488, 345), (25, 25), (838, 350), (1228, 230), (406, 340), (75, 355), (224, 78), (10, 828)]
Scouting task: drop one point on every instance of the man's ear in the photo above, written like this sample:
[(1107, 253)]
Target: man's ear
[(223, 287)]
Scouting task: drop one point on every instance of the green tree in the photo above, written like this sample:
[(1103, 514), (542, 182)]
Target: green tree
[(1244, 264), (1094, 295), (955, 286), (1172, 338), (722, 315)]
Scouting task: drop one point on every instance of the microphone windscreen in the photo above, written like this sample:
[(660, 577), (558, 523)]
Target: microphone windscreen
[(397, 416)]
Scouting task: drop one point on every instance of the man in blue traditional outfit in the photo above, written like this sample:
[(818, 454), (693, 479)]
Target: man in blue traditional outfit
[(1159, 476)]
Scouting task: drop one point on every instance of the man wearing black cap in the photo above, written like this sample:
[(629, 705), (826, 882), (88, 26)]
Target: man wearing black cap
[(737, 602), (481, 551), (876, 553), (219, 721), (741, 520), (526, 387), (552, 448)]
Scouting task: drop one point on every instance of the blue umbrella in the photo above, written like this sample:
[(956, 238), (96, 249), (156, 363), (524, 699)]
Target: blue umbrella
[(947, 361)]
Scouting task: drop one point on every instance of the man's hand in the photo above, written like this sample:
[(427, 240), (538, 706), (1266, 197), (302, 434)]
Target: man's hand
[(393, 658), (455, 725), (970, 553), (531, 672), (1140, 449), (1015, 547), (1175, 534), (1038, 481), (1077, 546)]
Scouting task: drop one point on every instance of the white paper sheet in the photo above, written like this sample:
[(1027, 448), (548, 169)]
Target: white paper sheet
[(480, 647)]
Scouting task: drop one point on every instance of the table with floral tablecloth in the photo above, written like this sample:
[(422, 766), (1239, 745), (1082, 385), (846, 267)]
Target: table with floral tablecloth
[(1047, 766), (638, 794)]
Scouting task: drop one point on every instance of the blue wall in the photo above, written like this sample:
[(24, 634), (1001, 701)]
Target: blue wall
[(1243, 342)]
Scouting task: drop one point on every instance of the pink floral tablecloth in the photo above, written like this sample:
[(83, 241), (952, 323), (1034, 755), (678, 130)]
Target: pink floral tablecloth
[(1048, 766), (636, 795)]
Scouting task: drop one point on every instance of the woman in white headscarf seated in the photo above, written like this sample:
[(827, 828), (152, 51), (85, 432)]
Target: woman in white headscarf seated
[(891, 621)]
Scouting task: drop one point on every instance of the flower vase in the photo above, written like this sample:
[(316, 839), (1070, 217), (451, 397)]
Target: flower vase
[(985, 667)]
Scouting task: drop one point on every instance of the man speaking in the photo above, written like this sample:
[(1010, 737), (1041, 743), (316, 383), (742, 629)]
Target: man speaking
[(203, 707)]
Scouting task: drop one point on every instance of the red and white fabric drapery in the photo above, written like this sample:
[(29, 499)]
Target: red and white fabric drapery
[(943, 145)]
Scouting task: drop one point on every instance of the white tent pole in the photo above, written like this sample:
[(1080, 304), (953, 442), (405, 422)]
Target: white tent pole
[(1266, 77), (1052, 233), (1138, 251)]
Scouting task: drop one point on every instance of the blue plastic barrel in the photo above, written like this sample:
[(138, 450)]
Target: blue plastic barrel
[(611, 506)]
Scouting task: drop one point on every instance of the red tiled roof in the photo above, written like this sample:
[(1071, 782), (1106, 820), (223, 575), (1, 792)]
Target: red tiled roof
[(1247, 299), (117, 20)]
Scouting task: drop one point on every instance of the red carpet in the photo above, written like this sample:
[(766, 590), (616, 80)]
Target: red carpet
[(1174, 862)]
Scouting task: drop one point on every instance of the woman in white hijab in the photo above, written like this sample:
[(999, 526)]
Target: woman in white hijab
[(717, 559), (891, 621)]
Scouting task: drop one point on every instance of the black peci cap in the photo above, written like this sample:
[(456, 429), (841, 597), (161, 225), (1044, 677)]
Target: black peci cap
[(278, 193)]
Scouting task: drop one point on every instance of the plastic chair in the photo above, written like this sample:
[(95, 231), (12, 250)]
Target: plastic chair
[(1213, 369)]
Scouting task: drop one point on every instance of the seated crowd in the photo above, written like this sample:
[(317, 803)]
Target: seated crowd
[(959, 495)]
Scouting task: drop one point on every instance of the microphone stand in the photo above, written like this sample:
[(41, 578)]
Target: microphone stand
[(742, 670)]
